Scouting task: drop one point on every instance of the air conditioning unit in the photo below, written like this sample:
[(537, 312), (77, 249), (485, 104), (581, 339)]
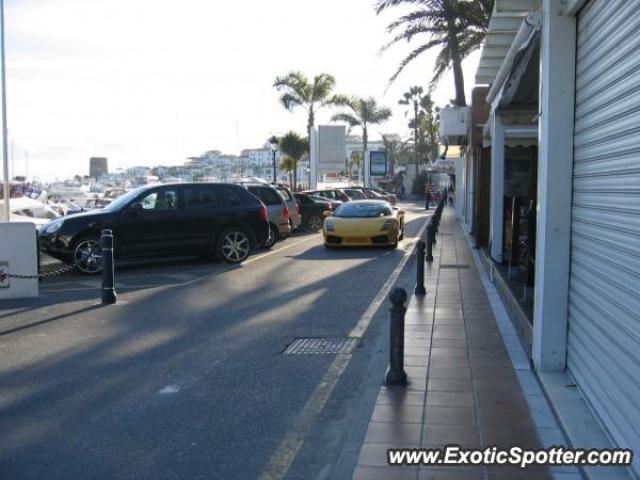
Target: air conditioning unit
[(454, 124)]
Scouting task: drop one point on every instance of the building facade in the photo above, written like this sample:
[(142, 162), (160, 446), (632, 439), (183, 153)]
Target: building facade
[(552, 196), (98, 167)]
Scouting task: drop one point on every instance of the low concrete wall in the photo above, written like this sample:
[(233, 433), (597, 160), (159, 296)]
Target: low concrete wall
[(18, 255)]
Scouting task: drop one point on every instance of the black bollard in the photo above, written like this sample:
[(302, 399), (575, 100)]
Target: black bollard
[(108, 277), (429, 256), (434, 230), (420, 290), (395, 373)]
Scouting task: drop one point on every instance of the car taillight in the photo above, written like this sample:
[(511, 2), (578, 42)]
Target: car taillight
[(298, 207), (285, 212), (263, 213)]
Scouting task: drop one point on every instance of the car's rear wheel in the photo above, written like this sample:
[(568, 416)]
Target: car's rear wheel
[(234, 245), (272, 237), (87, 256), (314, 223)]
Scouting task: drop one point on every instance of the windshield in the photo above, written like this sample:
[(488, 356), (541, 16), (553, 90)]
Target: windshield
[(362, 210), (123, 200)]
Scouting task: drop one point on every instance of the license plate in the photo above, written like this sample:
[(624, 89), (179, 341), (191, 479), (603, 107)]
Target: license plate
[(356, 239)]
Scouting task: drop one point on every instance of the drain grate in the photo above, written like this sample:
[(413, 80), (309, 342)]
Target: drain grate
[(453, 265), (322, 345)]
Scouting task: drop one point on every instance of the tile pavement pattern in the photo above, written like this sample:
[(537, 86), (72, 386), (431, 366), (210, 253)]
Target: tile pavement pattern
[(463, 389)]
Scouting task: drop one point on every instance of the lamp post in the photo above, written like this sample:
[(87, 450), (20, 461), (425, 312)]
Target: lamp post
[(274, 146), (5, 159)]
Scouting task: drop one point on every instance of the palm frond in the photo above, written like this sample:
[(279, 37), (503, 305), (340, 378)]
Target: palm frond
[(412, 56), (347, 118)]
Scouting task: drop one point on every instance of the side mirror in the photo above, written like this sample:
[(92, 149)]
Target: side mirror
[(135, 207)]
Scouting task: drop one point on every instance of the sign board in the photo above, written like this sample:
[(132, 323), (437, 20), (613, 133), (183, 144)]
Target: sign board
[(4, 274), (378, 163)]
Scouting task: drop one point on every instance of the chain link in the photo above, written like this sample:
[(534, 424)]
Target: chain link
[(53, 273)]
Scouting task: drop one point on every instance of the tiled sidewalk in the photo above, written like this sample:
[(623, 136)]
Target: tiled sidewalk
[(463, 388)]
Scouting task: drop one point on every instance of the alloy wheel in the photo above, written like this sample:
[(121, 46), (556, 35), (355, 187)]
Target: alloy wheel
[(235, 246), (271, 238), (87, 256), (314, 223)]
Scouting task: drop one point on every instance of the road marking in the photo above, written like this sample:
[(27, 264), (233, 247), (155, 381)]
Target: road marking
[(169, 390), (288, 449)]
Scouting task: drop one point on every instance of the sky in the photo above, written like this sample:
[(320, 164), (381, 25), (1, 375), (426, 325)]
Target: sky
[(149, 82)]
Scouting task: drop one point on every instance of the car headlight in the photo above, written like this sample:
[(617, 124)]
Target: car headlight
[(53, 226), (387, 225), (328, 225)]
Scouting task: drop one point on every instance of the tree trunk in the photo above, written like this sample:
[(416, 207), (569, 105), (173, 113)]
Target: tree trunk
[(310, 123), (295, 175), (415, 134), (458, 76), (365, 144)]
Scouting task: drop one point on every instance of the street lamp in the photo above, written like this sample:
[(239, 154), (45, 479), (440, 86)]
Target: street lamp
[(274, 146), (5, 160)]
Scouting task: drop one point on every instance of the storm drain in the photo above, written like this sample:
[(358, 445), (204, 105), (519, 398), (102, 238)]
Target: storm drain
[(453, 265), (322, 345)]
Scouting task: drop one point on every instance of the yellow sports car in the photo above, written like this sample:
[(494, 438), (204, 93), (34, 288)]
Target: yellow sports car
[(364, 223)]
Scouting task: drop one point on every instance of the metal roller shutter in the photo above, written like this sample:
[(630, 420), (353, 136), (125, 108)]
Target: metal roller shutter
[(604, 291)]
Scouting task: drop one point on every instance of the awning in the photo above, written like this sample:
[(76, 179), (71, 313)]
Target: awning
[(505, 22)]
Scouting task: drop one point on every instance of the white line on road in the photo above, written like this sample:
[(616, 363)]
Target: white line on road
[(288, 449)]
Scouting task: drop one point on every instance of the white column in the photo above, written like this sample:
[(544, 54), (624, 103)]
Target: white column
[(555, 167), (498, 134), (313, 159), (367, 169)]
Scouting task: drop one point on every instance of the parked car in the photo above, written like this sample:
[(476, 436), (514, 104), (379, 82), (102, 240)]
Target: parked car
[(364, 223), (334, 203), (295, 216), (220, 220), (355, 194), (331, 194), (314, 210), (277, 209), (377, 194)]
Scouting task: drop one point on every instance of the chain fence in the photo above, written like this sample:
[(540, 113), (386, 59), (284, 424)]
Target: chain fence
[(52, 273)]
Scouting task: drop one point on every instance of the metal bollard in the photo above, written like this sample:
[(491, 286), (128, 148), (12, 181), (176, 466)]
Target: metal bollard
[(434, 230), (420, 290), (429, 256), (108, 278), (395, 372)]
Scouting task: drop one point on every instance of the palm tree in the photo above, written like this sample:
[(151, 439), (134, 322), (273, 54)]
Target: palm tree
[(362, 112), (414, 98), (294, 146), (298, 91), (457, 27), (288, 164), (356, 159)]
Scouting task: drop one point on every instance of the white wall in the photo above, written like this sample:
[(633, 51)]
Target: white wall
[(555, 168), (18, 247)]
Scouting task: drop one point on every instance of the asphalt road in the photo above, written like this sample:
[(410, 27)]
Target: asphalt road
[(184, 377)]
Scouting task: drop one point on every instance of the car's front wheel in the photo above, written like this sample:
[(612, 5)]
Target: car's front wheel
[(234, 245), (87, 256)]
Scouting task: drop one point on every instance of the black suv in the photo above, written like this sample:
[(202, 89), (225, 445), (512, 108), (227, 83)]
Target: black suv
[(220, 220)]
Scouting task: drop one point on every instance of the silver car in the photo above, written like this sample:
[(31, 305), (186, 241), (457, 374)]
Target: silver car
[(277, 210), (295, 217)]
